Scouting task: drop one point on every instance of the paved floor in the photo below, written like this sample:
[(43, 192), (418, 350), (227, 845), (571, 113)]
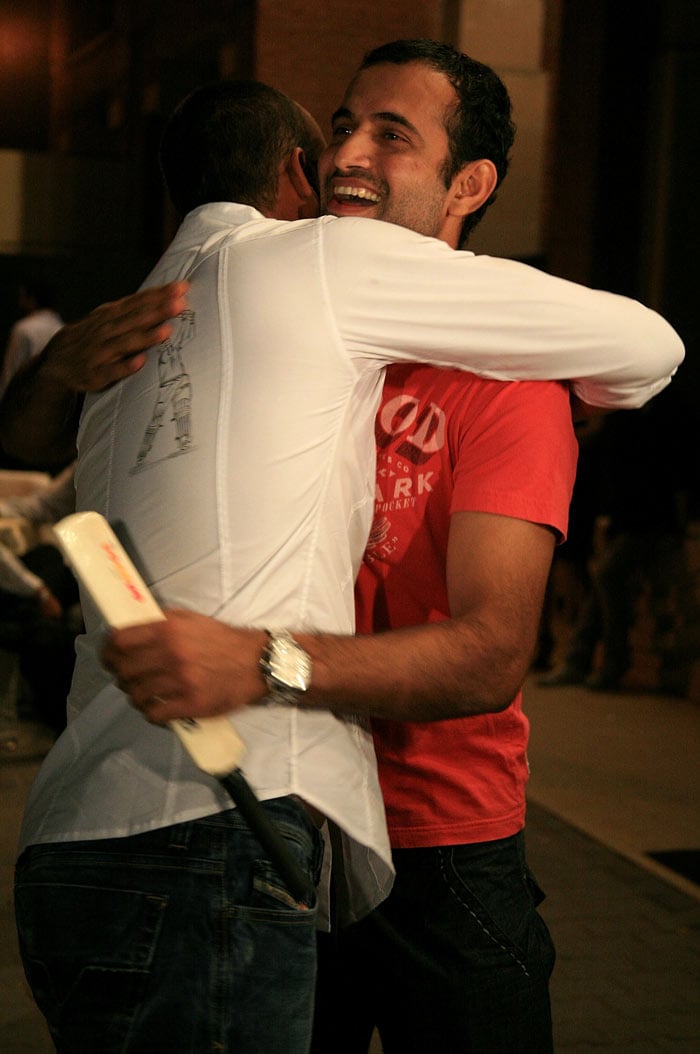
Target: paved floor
[(613, 777)]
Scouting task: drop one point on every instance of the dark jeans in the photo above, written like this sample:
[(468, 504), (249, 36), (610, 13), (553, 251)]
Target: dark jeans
[(180, 940), (456, 960)]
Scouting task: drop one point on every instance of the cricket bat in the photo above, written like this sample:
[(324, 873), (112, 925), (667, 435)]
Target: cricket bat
[(100, 562), (102, 565)]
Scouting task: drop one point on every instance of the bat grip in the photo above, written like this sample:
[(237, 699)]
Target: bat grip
[(267, 834)]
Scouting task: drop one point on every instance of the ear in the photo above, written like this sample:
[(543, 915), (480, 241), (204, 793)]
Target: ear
[(298, 185), (471, 187)]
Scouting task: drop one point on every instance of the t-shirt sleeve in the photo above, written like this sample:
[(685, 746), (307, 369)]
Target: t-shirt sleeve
[(517, 456)]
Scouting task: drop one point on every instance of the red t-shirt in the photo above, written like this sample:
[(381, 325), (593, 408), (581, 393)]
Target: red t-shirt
[(450, 442)]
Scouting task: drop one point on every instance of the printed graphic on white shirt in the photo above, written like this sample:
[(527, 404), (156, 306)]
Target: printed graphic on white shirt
[(175, 391)]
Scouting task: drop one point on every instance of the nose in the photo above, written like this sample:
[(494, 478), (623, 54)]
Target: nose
[(353, 151)]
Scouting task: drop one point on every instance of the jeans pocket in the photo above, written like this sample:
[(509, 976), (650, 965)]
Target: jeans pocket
[(496, 893), (304, 843), (87, 954), (269, 890)]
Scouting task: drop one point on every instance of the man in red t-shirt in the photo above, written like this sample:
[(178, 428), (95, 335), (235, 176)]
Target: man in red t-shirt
[(474, 480), (457, 957)]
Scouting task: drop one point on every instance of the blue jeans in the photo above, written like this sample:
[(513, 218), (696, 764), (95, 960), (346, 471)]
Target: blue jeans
[(182, 939), (456, 960)]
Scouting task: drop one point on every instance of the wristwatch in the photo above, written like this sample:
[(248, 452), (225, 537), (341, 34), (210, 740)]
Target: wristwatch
[(286, 668)]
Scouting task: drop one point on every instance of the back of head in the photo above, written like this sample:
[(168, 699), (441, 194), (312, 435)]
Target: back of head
[(226, 142), (480, 126)]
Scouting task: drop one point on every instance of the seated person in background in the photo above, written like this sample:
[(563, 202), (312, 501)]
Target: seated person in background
[(39, 604)]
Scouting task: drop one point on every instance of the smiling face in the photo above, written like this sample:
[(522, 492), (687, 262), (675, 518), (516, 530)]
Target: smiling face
[(388, 148)]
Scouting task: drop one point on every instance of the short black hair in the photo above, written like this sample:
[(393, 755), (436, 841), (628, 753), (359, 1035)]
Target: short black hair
[(226, 141), (480, 126)]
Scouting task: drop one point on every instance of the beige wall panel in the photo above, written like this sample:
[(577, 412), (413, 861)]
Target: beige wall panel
[(513, 224), (50, 203), (505, 34), (10, 198)]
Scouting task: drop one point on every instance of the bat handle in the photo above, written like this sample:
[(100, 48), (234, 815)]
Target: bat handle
[(267, 834)]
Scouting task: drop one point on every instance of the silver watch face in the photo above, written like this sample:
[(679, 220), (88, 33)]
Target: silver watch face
[(287, 663)]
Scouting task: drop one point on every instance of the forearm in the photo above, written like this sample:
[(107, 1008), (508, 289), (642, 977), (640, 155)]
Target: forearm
[(474, 663), (426, 673), (194, 666)]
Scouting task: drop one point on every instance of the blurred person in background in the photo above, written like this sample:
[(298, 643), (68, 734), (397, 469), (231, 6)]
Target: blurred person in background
[(39, 604), (640, 467), (31, 333), (38, 323)]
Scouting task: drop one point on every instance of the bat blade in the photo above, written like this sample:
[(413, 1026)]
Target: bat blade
[(107, 573)]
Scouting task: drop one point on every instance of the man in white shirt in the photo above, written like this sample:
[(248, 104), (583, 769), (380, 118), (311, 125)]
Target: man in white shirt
[(306, 430)]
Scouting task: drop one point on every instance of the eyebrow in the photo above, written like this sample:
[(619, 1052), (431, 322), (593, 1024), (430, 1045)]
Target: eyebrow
[(382, 115)]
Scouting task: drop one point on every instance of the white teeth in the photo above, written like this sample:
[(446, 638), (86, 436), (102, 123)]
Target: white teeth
[(356, 192)]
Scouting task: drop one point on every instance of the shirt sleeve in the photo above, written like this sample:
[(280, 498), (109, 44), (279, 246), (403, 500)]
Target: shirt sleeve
[(514, 452), (47, 504), (399, 296), (15, 577)]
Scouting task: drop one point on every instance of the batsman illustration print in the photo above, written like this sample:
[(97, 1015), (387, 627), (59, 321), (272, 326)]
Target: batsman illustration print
[(174, 391)]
